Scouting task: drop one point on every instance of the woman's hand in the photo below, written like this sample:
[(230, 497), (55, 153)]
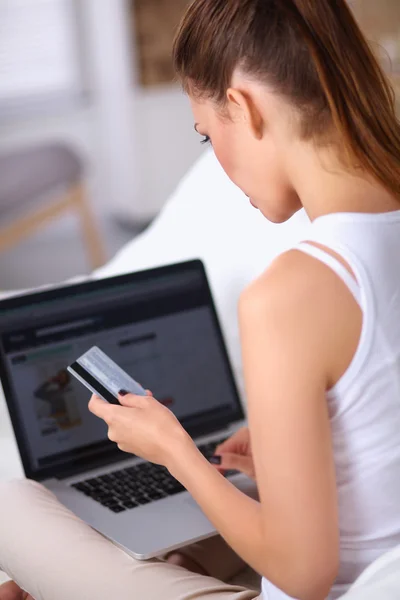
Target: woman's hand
[(144, 427), (235, 453)]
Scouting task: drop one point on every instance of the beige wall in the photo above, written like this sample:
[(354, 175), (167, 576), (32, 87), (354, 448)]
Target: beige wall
[(378, 15)]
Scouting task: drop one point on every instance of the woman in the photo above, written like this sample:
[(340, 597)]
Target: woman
[(299, 115)]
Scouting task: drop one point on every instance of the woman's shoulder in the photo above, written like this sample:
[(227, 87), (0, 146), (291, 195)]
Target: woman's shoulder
[(291, 277), (298, 296)]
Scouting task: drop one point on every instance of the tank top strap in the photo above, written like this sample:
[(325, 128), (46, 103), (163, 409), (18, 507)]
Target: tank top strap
[(333, 263)]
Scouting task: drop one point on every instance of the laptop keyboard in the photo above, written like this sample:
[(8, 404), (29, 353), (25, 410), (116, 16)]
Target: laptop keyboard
[(138, 485)]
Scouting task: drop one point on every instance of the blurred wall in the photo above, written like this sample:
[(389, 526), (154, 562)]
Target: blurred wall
[(138, 142), (380, 20)]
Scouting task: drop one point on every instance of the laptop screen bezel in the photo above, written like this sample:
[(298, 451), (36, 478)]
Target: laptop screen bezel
[(111, 452)]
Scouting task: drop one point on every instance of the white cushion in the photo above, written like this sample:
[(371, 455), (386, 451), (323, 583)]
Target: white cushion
[(380, 581)]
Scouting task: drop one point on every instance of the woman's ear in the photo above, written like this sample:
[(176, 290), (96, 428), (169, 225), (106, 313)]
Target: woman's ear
[(242, 107)]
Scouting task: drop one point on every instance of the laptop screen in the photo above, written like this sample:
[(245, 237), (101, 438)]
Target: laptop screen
[(158, 325)]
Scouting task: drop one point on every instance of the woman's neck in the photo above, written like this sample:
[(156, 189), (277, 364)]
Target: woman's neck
[(325, 186)]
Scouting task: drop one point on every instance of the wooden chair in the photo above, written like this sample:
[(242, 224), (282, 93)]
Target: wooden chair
[(39, 184)]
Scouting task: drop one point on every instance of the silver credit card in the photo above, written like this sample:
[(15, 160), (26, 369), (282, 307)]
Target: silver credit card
[(108, 373)]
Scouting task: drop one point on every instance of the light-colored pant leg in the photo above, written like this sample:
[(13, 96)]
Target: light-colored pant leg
[(53, 555)]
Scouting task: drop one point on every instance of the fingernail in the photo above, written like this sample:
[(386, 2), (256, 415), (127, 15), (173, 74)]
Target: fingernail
[(216, 460), (123, 393)]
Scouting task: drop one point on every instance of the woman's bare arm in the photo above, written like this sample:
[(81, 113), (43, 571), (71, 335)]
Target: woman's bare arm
[(294, 321)]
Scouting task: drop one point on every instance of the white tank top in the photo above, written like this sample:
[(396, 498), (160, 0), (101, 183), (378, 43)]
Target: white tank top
[(364, 406)]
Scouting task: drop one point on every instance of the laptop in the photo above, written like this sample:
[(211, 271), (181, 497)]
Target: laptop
[(160, 326)]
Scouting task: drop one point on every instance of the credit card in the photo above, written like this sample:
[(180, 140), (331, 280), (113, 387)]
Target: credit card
[(103, 369)]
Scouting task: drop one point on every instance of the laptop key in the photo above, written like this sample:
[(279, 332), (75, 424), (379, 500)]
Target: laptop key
[(80, 486), (102, 493), (141, 499), (130, 504), (175, 491), (155, 495), (131, 470), (109, 501), (117, 508), (106, 479)]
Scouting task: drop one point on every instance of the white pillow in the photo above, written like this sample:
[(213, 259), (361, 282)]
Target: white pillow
[(208, 217), (380, 580)]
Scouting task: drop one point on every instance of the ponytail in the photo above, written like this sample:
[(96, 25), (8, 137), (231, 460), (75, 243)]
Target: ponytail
[(360, 98), (313, 53)]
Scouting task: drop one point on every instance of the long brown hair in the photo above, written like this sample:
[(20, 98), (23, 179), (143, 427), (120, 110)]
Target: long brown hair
[(314, 54)]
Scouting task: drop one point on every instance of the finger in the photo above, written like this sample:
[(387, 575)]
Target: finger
[(237, 462), (231, 444), (100, 407), (95, 398), (149, 393), (124, 448), (132, 401), (227, 446)]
